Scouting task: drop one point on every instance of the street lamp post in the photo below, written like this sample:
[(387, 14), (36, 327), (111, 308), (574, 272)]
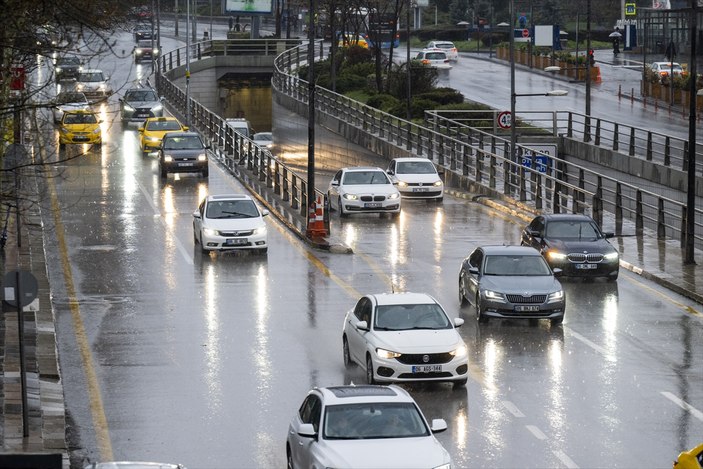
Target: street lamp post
[(408, 77), (587, 128), (513, 131), (691, 194), (188, 63)]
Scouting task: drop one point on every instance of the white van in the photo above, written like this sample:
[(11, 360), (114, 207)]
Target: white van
[(239, 124)]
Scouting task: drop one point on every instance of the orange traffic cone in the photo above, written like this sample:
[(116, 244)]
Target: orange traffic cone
[(598, 78), (316, 222)]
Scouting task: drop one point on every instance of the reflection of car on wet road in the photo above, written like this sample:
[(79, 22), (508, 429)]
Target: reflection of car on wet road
[(403, 337), (364, 427), (363, 189), (510, 282), (416, 178), (230, 222), (573, 243)]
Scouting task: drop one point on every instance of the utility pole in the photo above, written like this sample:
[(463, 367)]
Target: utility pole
[(690, 235)]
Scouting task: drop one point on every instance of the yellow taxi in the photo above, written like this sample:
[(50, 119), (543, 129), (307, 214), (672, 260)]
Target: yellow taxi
[(154, 129), (347, 40), (78, 127), (691, 459)]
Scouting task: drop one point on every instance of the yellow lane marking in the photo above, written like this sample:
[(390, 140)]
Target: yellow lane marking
[(686, 308), (97, 410)]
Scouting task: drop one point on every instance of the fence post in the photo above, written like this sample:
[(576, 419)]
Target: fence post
[(667, 151), (649, 146), (661, 223), (598, 203), (632, 141), (580, 196), (682, 237), (618, 207), (639, 214), (616, 137), (570, 126), (597, 138)]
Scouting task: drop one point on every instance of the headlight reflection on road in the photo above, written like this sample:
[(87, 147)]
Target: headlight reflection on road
[(438, 235), (493, 408), (212, 349)]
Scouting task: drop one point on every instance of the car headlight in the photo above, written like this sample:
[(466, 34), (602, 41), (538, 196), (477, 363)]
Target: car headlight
[(556, 256), (386, 354), (64, 130), (168, 158), (156, 50), (158, 108), (97, 130), (402, 184), (138, 52), (260, 230), (202, 157), (210, 232), (556, 296), (393, 196), (611, 256), (493, 295), (59, 70), (152, 139), (129, 108), (437, 183), (80, 87), (459, 351), (351, 196)]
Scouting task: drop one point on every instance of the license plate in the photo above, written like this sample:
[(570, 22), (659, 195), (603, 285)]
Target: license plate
[(527, 308), (372, 205), (142, 114), (586, 266), (235, 241), (186, 164), (420, 189), (427, 368), (80, 139)]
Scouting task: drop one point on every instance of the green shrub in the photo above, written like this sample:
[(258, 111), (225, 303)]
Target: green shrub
[(383, 102), (362, 69), (349, 82), (443, 96)]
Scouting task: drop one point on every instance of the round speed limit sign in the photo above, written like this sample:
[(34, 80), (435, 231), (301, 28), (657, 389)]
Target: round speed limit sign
[(505, 120)]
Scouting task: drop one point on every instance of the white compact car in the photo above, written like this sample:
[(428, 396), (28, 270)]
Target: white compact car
[(230, 222), (435, 58), (416, 178), (447, 46), (363, 190), (94, 84), (364, 427), (68, 101), (402, 337)]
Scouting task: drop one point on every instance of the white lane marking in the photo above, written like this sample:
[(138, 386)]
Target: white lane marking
[(568, 462), (512, 408), (536, 432), (188, 258), (684, 405), (595, 347)]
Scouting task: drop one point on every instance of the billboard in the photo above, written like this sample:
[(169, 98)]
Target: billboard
[(248, 7)]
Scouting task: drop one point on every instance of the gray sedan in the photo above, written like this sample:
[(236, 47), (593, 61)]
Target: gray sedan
[(511, 282)]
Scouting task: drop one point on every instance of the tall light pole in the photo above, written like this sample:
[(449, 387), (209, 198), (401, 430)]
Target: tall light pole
[(690, 235), (513, 121), (188, 63), (311, 111), (587, 129), (408, 77)]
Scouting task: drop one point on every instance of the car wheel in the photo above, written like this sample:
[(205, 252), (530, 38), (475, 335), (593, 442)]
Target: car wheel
[(164, 173), (370, 379), (462, 296), (202, 245), (482, 318), (289, 458), (329, 197), (348, 362), (342, 213), (557, 321), (613, 276), (460, 383)]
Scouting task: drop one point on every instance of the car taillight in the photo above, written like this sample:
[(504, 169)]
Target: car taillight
[(453, 49), (425, 61)]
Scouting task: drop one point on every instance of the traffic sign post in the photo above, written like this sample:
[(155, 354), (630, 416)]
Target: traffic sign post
[(538, 154), (504, 120)]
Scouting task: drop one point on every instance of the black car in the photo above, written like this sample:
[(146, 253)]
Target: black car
[(143, 31), (67, 68), (573, 243), (144, 50), (182, 152)]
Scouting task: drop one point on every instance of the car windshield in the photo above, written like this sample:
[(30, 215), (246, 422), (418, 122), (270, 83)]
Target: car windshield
[(516, 265), (407, 317), (415, 167), (68, 61), (373, 420), (80, 119), (365, 177), (183, 143), (444, 45), (231, 209), (141, 95), (163, 125), (65, 98), (263, 136), (144, 44), (435, 56), (91, 77), (581, 230)]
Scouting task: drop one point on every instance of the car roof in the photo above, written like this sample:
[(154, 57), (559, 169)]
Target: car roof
[(568, 217), (510, 250), (81, 111), (362, 168), (181, 134), (410, 158), (442, 42), (352, 394), (163, 118), (214, 197), (404, 298)]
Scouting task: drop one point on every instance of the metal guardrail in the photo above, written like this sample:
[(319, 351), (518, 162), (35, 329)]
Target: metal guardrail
[(231, 148), (481, 157)]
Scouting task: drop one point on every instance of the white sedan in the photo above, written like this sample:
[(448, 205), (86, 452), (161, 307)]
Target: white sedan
[(364, 427), (230, 222), (363, 190), (404, 337), (447, 46), (416, 178), (67, 101)]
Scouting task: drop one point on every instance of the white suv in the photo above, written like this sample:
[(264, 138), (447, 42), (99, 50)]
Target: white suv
[(446, 46), (364, 427), (435, 58)]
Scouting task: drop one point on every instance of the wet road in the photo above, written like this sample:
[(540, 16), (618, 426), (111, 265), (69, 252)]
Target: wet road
[(170, 355)]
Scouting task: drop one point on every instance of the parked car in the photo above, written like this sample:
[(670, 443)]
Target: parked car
[(363, 190), (691, 459), (511, 282), (145, 50), (183, 152), (404, 337), (153, 130), (416, 178), (94, 84), (447, 46), (139, 104), (665, 69), (573, 243), (435, 58), (67, 101), (67, 68), (364, 427), (230, 222), (80, 127)]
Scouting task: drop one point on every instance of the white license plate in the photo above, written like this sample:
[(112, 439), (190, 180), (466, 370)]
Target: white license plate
[(427, 368), (235, 241), (586, 266), (372, 205), (420, 189), (527, 308), (186, 164)]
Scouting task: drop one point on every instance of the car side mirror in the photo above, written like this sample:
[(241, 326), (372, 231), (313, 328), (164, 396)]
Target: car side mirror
[(196, 214), (534, 233), (473, 271), (264, 212), (307, 430), (608, 235), (440, 171), (362, 325), (438, 425), (121, 100), (185, 128), (458, 322), (391, 172), (557, 272), (334, 183), (141, 129)]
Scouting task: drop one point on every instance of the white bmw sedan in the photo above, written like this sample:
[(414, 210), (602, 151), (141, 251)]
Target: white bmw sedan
[(363, 190), (363, 427), (230, 222), (404, 337)]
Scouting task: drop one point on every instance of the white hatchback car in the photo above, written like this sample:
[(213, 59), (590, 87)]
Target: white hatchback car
[(67, 101), (416, 178), (446, 46), (230, 222), (363, 189), (94, 84), (364, 427), (435, 58), (403, 337)]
